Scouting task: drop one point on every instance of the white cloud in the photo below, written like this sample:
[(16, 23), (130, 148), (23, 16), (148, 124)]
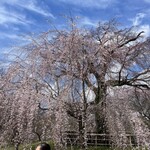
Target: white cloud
[(138, 19), (7, 15), (87, 21), (33, 6), (13, 17), (90, 95), (147, 1), (90, 3), (12, 36)]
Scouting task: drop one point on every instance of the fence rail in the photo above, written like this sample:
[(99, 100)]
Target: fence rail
[(94, 139)]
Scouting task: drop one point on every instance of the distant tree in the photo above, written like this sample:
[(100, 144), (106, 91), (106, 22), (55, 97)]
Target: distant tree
[(124, 118), (19, 106), (140, 102)]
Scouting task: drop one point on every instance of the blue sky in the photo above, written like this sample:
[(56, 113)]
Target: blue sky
[(22, 18)]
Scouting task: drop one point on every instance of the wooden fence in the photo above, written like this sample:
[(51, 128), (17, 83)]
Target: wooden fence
[(94, 139)]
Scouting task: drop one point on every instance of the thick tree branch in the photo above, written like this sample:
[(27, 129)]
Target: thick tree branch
[(126, 82), (130, 40)]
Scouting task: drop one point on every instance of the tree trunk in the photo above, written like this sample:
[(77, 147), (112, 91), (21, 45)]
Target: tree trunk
[(100, 101), (82, 130), (85, 129), (17, 146), (81, 138), (83, 120), (100, 122)]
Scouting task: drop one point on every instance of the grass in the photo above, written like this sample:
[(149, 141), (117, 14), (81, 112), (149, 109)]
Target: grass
[(34, 145), (33, 148), (26, 146)]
